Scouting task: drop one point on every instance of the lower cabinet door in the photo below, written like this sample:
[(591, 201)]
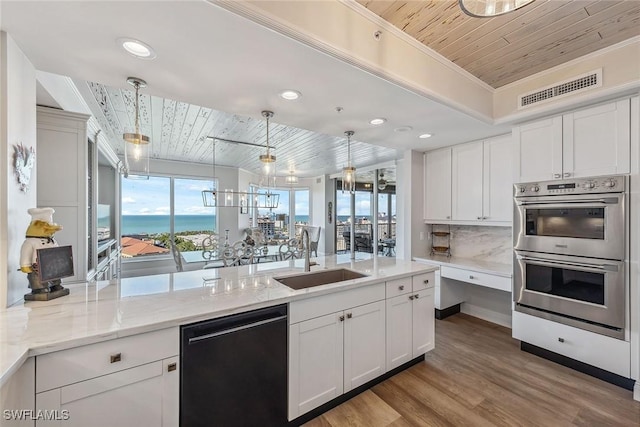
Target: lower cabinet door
[(364, 344), (423, 322), (315, 362), (146, 395), (399, 330)]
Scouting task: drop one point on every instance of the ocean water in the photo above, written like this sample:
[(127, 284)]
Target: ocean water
[(152, 224)]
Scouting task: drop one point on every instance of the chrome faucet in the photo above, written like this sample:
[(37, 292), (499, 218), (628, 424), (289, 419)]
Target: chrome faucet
[(307, 250)]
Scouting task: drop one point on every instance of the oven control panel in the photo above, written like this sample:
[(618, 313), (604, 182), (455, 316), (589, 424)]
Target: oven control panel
[(605, 184)]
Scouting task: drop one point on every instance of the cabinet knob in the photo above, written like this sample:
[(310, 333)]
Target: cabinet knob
[(401, 288), (479, 217), (172, 367), (485, 217), (115, 357), (557, 175), (349, 315), (417, 296), (560, 339), (567, 174), (341, 318), (471, 277), (448, 217), (426, 281), (411, 297)]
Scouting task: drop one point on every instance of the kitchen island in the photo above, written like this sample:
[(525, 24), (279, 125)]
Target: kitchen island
[(104, 311)]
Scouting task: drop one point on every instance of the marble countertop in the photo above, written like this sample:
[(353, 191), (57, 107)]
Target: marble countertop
[(475, 264), (105, 310)]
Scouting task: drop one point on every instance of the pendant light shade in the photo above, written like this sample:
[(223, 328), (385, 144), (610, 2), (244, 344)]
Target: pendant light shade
[(136, 144), (490, 8), (349, 171), (382, 183)]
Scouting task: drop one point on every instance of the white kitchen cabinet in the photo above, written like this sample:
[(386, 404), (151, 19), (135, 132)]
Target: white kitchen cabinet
[(18, 394), (437, 173), (62, 180), (130, 381), (364, 342), (330, 354), (590, 142), (410, 323), (481, 183), (497, 181), (466, 182)]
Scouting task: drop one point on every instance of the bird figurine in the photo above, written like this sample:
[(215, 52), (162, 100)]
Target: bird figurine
[(23, 161)]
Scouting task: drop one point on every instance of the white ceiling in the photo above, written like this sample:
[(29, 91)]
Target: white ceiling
[(212, 60)]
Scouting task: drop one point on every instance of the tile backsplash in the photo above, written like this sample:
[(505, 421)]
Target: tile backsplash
[(481, 242)]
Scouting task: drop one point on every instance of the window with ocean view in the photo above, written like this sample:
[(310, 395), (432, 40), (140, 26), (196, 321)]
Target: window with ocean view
[(276, 223), (152, 214)]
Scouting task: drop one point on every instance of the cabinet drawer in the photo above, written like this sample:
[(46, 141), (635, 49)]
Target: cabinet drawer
[(604, 352), (423, 281), (397, 287), (482, 279), (78, 364)]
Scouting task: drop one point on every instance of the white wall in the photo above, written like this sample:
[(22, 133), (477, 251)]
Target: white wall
[(410, 228), (18, 118)]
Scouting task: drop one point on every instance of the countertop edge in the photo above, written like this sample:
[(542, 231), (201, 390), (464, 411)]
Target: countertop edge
[(462, 265)]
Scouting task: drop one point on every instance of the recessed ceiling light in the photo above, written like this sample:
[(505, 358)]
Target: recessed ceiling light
[(377, 121), (403, 129), (290, 95), (425, 136), (137, 48)]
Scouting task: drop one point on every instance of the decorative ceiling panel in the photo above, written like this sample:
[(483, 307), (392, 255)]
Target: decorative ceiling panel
[(181, 131), (507, 48)]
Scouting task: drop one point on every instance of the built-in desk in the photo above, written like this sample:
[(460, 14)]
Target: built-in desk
[(450, 293)]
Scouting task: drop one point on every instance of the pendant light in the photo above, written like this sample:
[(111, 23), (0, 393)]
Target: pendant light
[(382, 183), (136, 144), (491, 8), (267, 158), (291, 178), (349, 171)]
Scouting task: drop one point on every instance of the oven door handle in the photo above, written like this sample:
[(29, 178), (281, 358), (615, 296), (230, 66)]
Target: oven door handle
[(602, 201), (583, 267)]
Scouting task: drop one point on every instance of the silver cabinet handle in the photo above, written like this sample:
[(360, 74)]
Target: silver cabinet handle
[(485, 217), (471, 277), (479, 217), (401, 288), (560, 339), (426, 282), (349, 315), (567, 174), (417, 296), (411, 297), (448, 217), (341, 318), (557, 175), (115, 357)]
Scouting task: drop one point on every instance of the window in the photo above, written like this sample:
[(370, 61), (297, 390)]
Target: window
[(157, 210), (277, 223)]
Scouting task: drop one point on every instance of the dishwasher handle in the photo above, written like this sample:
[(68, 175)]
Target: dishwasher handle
[(198, 338)]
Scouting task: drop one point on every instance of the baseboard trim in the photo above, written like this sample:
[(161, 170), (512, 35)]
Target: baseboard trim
[(356, 391), (486, 314), (446, 312), (610, 377)]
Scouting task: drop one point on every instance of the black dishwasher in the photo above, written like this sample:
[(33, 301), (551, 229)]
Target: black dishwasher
[(234, 370)]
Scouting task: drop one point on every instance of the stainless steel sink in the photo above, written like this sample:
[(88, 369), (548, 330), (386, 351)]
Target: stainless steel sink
[(317, 278)]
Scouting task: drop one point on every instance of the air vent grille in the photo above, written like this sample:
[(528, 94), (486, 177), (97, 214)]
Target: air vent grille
[(587, 81)]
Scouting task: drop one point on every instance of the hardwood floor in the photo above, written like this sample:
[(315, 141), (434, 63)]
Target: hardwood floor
[(477, 376)]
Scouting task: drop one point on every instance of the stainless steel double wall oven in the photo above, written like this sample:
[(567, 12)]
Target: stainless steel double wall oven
[(570, 240)]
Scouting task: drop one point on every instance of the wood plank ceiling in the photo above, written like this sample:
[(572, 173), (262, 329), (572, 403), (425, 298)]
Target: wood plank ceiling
[(507, 48), (179, 132)]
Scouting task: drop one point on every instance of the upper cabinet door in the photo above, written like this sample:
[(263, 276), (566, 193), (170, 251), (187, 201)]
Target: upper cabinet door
[(437, 175), (466, 185), (498, 179), (538, 150), (597, 140)]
